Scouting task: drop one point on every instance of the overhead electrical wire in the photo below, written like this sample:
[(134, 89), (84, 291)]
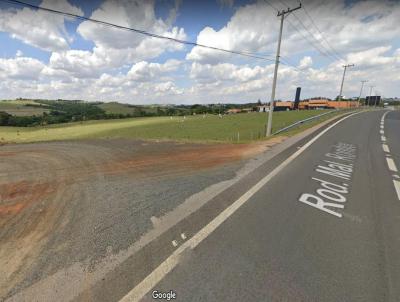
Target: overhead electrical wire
[(318, 46), (327, 50), (139, 31), (320, 32)]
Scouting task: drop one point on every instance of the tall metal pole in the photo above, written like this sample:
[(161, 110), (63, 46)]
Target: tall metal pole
[(344, 74), (362, 86), (376, 98), (271, 103)]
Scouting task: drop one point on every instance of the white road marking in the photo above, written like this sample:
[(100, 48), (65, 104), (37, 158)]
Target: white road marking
[(385, 148), (383, 139), (140, 290), (397, 187), (382, 127), (175, 243), (391, 164), (183, 236), (382, 132)]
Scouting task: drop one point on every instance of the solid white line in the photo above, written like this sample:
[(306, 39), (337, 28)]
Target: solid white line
[(140, 290), (391, 164), (385, 148), (397, 187)]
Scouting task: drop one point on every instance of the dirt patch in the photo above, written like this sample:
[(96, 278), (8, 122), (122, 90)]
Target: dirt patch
[(186, 158), (16, 196), (41, 183)]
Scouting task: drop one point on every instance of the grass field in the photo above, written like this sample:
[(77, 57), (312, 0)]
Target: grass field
[(18, 108), (230, 128)]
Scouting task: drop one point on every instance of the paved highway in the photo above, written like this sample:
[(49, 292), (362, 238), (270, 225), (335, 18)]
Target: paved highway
[(325, 227)]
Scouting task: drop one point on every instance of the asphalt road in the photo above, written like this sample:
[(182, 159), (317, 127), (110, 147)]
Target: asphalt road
[(341, 242)]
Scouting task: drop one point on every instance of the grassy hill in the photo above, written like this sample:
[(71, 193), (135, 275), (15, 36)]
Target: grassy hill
[(22, 107)]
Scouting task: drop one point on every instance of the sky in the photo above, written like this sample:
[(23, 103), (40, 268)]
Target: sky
[(50, 56)]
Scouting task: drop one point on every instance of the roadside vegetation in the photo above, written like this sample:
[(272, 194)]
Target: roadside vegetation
[(244, 127)]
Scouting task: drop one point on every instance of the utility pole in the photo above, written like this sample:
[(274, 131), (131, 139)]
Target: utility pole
[(362, 86), (271, 104), (376, 98), (344, 74), (370, 92)]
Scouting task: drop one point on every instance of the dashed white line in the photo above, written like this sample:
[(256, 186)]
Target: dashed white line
[(391, 164), (383, 138), (141, 289), (397, 187), (174, 243), (385, 148), (382, 132)]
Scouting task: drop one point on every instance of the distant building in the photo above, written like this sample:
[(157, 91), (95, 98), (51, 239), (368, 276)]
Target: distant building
[(263, 108), (283, 105), (373, 100), (233, 110)]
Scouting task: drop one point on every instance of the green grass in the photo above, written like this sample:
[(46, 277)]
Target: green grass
[(232, 128), (19, 108)]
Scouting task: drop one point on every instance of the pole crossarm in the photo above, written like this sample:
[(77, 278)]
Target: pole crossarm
[(344, 74), (288, 11)]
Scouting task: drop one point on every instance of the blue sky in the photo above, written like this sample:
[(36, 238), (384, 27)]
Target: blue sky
[(49, 56)]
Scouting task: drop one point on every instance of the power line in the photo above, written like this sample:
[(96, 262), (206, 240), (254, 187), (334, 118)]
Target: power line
[(139, 31), (321, 49), (327, 42), (330, 52)]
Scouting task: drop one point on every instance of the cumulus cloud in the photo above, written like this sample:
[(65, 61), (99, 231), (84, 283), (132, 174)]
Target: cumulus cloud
[(207, 73), (38, 28), (115, 48), (347, 28), (305, 62), (250, 29), (21, 68), (144, 71)]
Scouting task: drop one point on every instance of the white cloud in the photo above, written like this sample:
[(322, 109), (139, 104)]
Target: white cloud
[(250, 29), (306, 62), (122, 46), (38, 28), (254, 28), (207, 73), (115, 48), (145, 71), (21, 68)]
